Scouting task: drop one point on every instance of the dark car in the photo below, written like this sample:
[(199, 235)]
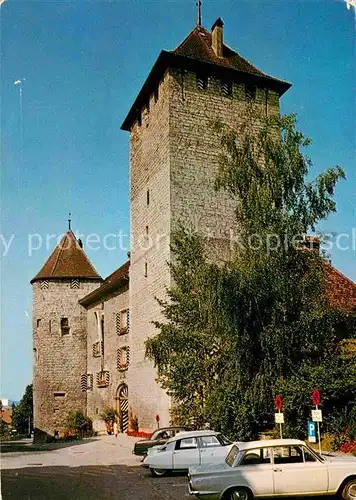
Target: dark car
[(159, 436)]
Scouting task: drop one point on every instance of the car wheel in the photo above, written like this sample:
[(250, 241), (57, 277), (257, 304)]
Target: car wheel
[(349, 491), (158, 472), (238, 494)]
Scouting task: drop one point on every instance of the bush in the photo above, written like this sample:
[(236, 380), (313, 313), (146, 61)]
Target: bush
[(78, 424), (108, 415)]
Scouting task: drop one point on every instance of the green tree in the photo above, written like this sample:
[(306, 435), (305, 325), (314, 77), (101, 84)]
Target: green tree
[(22, 417), (79, 424), (234, 335)]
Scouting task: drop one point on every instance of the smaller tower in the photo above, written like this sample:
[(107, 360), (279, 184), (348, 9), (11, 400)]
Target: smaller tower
[(59, 335)]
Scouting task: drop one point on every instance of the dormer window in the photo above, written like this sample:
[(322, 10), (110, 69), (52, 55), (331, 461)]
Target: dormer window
[(226, 88), (250, 92), (202, 82)]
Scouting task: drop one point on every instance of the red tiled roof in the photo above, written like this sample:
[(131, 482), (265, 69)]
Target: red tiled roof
[(113, 282), (198, 45), (340, 290), (68, 260)]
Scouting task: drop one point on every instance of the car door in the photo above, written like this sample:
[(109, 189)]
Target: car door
[(211, 450), (186, 453), (255, 471), (298, 471)]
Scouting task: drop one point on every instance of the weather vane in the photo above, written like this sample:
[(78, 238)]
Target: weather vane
[(199, 12), (69, 221)]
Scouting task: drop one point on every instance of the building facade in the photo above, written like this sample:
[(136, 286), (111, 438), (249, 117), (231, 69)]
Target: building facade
[(174, 159)]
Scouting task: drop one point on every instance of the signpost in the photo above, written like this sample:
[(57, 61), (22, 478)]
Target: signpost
[(279, 417), (317, 414)]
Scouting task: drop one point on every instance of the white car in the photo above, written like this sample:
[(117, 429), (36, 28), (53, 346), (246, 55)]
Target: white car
[(274, 468), (185, 450)]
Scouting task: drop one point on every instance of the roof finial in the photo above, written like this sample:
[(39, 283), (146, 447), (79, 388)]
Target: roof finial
[(69, 221), (199, 12)]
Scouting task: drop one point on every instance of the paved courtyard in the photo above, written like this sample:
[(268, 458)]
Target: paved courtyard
[(98, 468)]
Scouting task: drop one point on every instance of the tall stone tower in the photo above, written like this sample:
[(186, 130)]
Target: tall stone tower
[(59, 335), (174, 152)]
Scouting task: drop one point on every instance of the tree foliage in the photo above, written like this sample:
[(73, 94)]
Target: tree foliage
[(235, 335), (79, 424), (22, 416)]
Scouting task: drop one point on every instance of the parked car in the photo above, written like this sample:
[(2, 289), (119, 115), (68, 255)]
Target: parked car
[(158, 437), (185, 450), (274, 468)]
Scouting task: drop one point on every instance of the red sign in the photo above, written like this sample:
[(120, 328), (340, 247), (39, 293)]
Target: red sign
[(157, 418), (278, 402), (316, 397)]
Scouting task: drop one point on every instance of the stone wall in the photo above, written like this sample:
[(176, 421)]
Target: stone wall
[(150, 229), (195, 146), (100, 397), (59, 360), (174, 156)]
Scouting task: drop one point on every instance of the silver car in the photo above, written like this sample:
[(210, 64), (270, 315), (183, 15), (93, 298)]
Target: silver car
[(274, 468)]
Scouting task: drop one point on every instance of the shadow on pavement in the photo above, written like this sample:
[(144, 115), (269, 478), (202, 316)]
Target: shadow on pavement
[(27, 446), (91, 482)]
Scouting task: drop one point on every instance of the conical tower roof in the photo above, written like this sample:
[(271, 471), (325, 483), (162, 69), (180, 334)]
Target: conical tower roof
[(68, 260)]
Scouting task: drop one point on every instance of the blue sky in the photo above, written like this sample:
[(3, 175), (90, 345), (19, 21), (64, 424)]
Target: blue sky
[(84, 63)]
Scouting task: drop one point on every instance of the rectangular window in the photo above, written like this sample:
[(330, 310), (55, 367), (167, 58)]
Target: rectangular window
[(250, 92), (38, 323), (202, 82), (123, 358), (148, 197), (287, 455), (155, 94), (59, 394), (146, 270), (65, 326), (226, 88)]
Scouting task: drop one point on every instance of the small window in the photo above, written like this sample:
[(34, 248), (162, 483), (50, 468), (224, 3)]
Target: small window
[(123, 358), (250, 91), (146, 270), (50, 326), (146, 230), (155, 94), (148, 197), (59, 394), (256, 457), (186, 444), (208, 442), (202, 82), (308, 457), (74, 284), (65, 326), (38, 323), (287, 455), (56, 410), (226, 88)]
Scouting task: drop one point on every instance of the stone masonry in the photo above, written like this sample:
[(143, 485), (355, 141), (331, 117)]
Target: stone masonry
[(89, 334)]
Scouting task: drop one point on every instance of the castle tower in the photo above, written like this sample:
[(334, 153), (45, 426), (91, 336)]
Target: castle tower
[(59, 335), (174, 152)]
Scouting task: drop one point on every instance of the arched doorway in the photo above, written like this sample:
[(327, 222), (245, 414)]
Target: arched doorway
[(122, 406)]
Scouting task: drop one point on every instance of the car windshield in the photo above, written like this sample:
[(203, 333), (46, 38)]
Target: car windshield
[(231, 456), (223, 440)]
